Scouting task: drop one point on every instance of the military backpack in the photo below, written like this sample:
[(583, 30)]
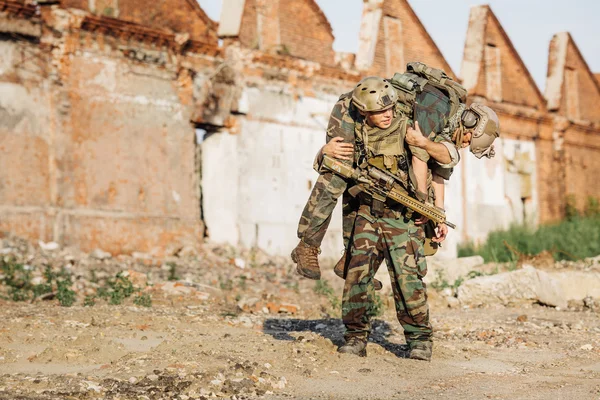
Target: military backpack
[(430, 96)]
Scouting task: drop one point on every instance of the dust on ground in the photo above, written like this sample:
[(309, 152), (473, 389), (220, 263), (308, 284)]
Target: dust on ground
[(239, 324)]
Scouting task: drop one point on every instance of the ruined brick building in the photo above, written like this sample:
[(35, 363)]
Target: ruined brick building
[(126, 125)]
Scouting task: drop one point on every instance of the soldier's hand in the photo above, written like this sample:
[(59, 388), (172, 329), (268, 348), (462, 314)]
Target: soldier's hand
[(414, 136), (441, 231), (421, 220), (336, 148)]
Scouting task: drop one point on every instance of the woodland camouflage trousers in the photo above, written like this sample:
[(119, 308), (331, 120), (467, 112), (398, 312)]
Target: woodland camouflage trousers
[(400, 243), (316, 215)]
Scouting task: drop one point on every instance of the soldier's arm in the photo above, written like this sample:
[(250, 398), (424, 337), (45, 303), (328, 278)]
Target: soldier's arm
[(420, 171), (439, 151), (340, 130), (437, 183)]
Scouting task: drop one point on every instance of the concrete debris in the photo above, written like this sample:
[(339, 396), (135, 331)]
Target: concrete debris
[(453, 269), (50, 246), (100, 255), (530, 285)]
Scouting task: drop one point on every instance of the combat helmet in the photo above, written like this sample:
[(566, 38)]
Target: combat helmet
[(373, 94), (483, 122)]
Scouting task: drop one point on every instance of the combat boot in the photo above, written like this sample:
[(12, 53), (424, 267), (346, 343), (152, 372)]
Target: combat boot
[(340, 268), (354, 345), (421, 351), (307, 258)]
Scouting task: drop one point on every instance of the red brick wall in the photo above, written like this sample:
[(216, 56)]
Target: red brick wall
[(516, 87), (301, 30), (550, 170), (417, 45), (581, 92), (175, 16), (582, 161), (248, 35), (305, 31)]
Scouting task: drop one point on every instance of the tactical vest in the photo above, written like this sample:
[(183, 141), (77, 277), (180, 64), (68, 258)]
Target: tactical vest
[(384, 148)]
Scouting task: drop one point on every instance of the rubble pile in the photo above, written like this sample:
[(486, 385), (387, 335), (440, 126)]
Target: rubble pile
[(248, 281)]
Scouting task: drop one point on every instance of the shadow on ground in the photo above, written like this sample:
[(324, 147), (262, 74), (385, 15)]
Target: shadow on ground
[(332, 329)]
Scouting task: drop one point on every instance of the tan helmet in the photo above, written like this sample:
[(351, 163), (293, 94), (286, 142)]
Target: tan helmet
[(483, 122), (374, 94)]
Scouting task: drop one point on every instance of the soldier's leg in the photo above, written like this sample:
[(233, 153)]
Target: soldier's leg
[(366, 254), (349, 211), (316, 215), (407, 266), (314, 223)]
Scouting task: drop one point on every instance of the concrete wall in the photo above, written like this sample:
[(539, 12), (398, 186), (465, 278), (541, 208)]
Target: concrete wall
[(267, 167), (498, 191)]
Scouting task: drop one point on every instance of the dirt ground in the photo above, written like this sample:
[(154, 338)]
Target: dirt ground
[(272, 335)]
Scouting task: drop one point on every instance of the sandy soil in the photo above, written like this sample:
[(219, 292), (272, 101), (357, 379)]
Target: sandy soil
[(273, 336)]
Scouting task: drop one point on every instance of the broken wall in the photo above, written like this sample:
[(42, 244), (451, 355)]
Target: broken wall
[(573, 96), (101, 147), (264, 168), (25, 114), (107, 108), (391, 36), (294, 28), (173, 16)]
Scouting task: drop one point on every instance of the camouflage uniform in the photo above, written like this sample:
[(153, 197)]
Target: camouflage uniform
[(400, 242), (316, 215), (391, 235), (430, 111)]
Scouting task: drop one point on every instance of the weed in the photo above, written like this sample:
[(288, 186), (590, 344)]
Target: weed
[(118, 289), (143, 300), (474, 274), (242, 282), (440, 282), (93, 277), (19, 280), (89, 301), (574, 238), (459, 281), (322, 288), (225, 284), (571, 211), (592, 207), (172, 272), (65, 296)]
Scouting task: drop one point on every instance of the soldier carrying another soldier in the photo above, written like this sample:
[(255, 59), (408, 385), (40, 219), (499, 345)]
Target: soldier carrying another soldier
[(384, 229), (451, 126)]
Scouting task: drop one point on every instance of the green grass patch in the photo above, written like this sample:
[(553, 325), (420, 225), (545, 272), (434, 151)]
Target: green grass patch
[(572, 239)]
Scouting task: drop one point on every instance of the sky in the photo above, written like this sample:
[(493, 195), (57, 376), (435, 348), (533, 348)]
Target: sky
[(530, 24)]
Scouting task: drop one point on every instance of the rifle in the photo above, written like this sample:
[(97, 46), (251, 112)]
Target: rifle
[(381, 186)]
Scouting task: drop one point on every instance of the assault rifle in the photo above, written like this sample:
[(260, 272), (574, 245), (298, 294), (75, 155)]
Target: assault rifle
[(381, 186)]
